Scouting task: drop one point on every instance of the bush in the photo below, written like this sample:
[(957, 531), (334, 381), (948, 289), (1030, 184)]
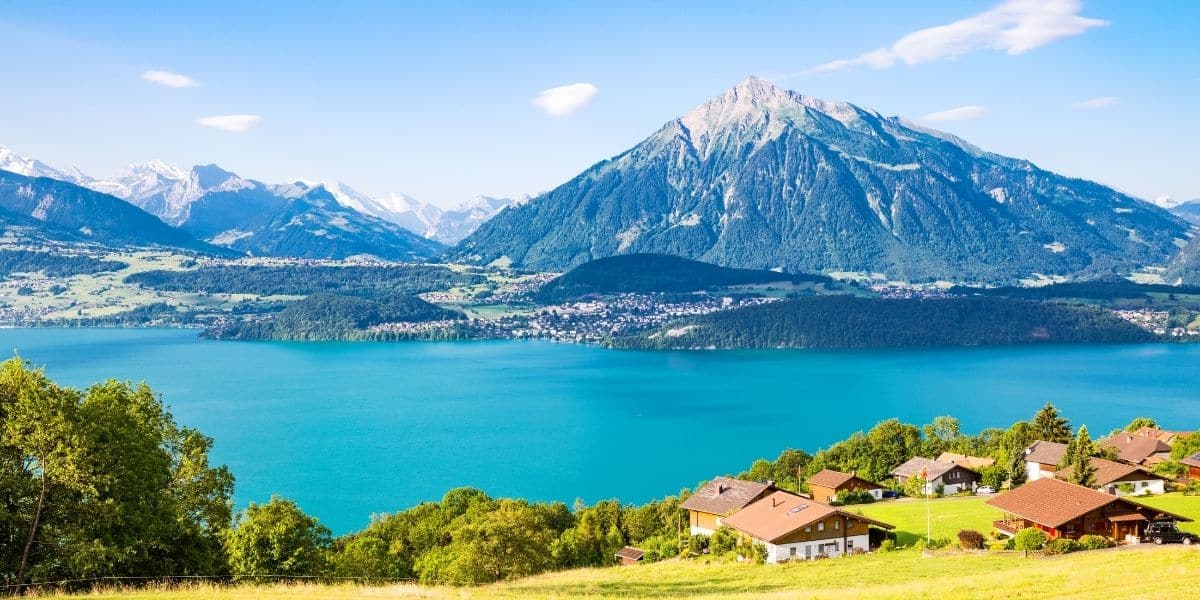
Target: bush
[(852, 497), (723, 540), (752, 551), (697, 544), (1029, 539), (660, 547), (888, 545), (1192, 489), (970, 539), (1095, 542), (999, 545), (1060, 546)]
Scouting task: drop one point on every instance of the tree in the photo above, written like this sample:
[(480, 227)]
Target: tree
[(1082, 471), (994, 476), (1141, 422), (500, 543), (1050, 426), (1029, 539), (276, 538)]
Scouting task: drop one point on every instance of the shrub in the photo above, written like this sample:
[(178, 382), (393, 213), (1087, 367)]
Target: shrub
[(660, 547), (1060, 546), (888, 545), (1095, 542), (1192, 489), (970, 539), (852, 497), (999, 545), (752, 551), (1029, 539), (697, 544), (723, 540)]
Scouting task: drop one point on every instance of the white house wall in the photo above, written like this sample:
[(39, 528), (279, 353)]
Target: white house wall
[(806, 550)]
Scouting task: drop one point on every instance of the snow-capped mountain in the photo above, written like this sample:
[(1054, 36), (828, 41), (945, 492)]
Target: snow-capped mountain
[(453, 225), (167, 191), (764, 177), (21, 165)]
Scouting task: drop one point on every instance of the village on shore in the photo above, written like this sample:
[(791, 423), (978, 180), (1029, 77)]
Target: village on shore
[(822, 523)]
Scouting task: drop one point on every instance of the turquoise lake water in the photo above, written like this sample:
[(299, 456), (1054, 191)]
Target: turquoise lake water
[(351, 429)]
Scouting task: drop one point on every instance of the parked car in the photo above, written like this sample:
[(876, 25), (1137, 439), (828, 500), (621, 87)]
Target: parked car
[(987, 489), (891, 494), (1166, 532)]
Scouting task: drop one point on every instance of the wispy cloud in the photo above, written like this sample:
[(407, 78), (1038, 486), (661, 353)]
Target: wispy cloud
[(1013, 26), (565, 99), (234, 123), (169, 79), (1101, 102), (962, 113)]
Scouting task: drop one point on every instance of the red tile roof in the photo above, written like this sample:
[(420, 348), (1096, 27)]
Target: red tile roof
[(781, 513), (1135, 448), (1108, 471), (724, 495), (836, 479), (1045, 453), (1053, 502)]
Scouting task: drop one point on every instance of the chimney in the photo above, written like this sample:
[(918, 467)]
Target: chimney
[(775, 502), (721, 488), (770, 483)]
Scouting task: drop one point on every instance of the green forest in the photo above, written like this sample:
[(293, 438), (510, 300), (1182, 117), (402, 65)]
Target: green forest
[(301, 280), (654, 274), (53, 265), (844, 321), (325, 316)]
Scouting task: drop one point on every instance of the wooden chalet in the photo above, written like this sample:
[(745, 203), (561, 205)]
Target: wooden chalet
[(1065, 510)]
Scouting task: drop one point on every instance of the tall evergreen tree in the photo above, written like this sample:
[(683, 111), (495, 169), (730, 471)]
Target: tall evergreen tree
[(1082, 471), (1051, 426)]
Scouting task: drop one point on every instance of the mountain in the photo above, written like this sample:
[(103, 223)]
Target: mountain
[(1185, 269), (1189, 210), (62, 210), (14, 163), (401, 209), (451, 226), (762, 177)]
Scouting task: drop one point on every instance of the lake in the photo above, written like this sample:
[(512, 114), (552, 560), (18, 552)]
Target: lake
[(351, 429)]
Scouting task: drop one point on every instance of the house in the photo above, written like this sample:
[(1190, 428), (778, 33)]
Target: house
[(629, 555), (951, 477), (720, 498), (1193, 466), (1162, 435), (1066, 510), (828, 483), (793, 527), (1042, 459), (1138, 449), (975, 463), (1112, 476)]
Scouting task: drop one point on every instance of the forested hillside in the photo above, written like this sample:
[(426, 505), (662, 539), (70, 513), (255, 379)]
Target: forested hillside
[(301, 280), (53, 264), (653, 274), (332, 317), (852, 322)]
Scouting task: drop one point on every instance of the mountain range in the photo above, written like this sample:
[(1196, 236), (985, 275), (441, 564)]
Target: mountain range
[(762, 177)]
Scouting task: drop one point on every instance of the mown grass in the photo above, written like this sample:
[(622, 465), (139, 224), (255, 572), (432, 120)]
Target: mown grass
[(1136, 572), (948, 516), (1175, 502)]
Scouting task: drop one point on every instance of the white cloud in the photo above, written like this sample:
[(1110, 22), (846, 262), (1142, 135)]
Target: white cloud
[(1101, 102), (169, 79), (1013, 26), (565, 99), (235, 123), (962, 113)]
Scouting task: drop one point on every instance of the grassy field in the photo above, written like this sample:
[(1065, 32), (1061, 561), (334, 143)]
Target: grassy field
[(1188, 506), (1161, 572), (948, 516)]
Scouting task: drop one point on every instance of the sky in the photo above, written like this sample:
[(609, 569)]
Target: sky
[(447, 100)]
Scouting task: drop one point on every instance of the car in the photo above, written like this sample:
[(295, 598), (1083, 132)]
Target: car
[(987, 489), (1166, 532)]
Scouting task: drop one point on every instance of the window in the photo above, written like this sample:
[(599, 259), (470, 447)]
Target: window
[(849, 545), (792, 551), (808, 551), (821, 526), (808, 529), (837, 524)]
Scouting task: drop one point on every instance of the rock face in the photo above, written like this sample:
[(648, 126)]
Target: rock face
[(762, 177)]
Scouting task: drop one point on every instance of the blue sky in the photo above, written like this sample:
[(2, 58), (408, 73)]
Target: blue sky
[(436, 99)]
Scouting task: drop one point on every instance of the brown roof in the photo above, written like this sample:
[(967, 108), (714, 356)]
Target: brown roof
[(1108, 471), (1045, 453), (1191, 461), (1053, 502), (966, 460), (724, 495), (1135, 448), (934, 469), (781, 513), (836, 479), (631, 553), (1162, 435)]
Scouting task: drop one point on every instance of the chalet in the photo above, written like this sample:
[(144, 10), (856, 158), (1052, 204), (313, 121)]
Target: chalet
[(1042, 459), (718, 499), (793, 527), (629, 555), (975, 463), (1138, 449), (827, 484), (1066, 510), (1162, 435), (951, 477), (1112, 476), (1193, 466)]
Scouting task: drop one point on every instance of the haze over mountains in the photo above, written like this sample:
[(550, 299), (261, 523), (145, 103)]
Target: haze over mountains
[(762, 177)]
